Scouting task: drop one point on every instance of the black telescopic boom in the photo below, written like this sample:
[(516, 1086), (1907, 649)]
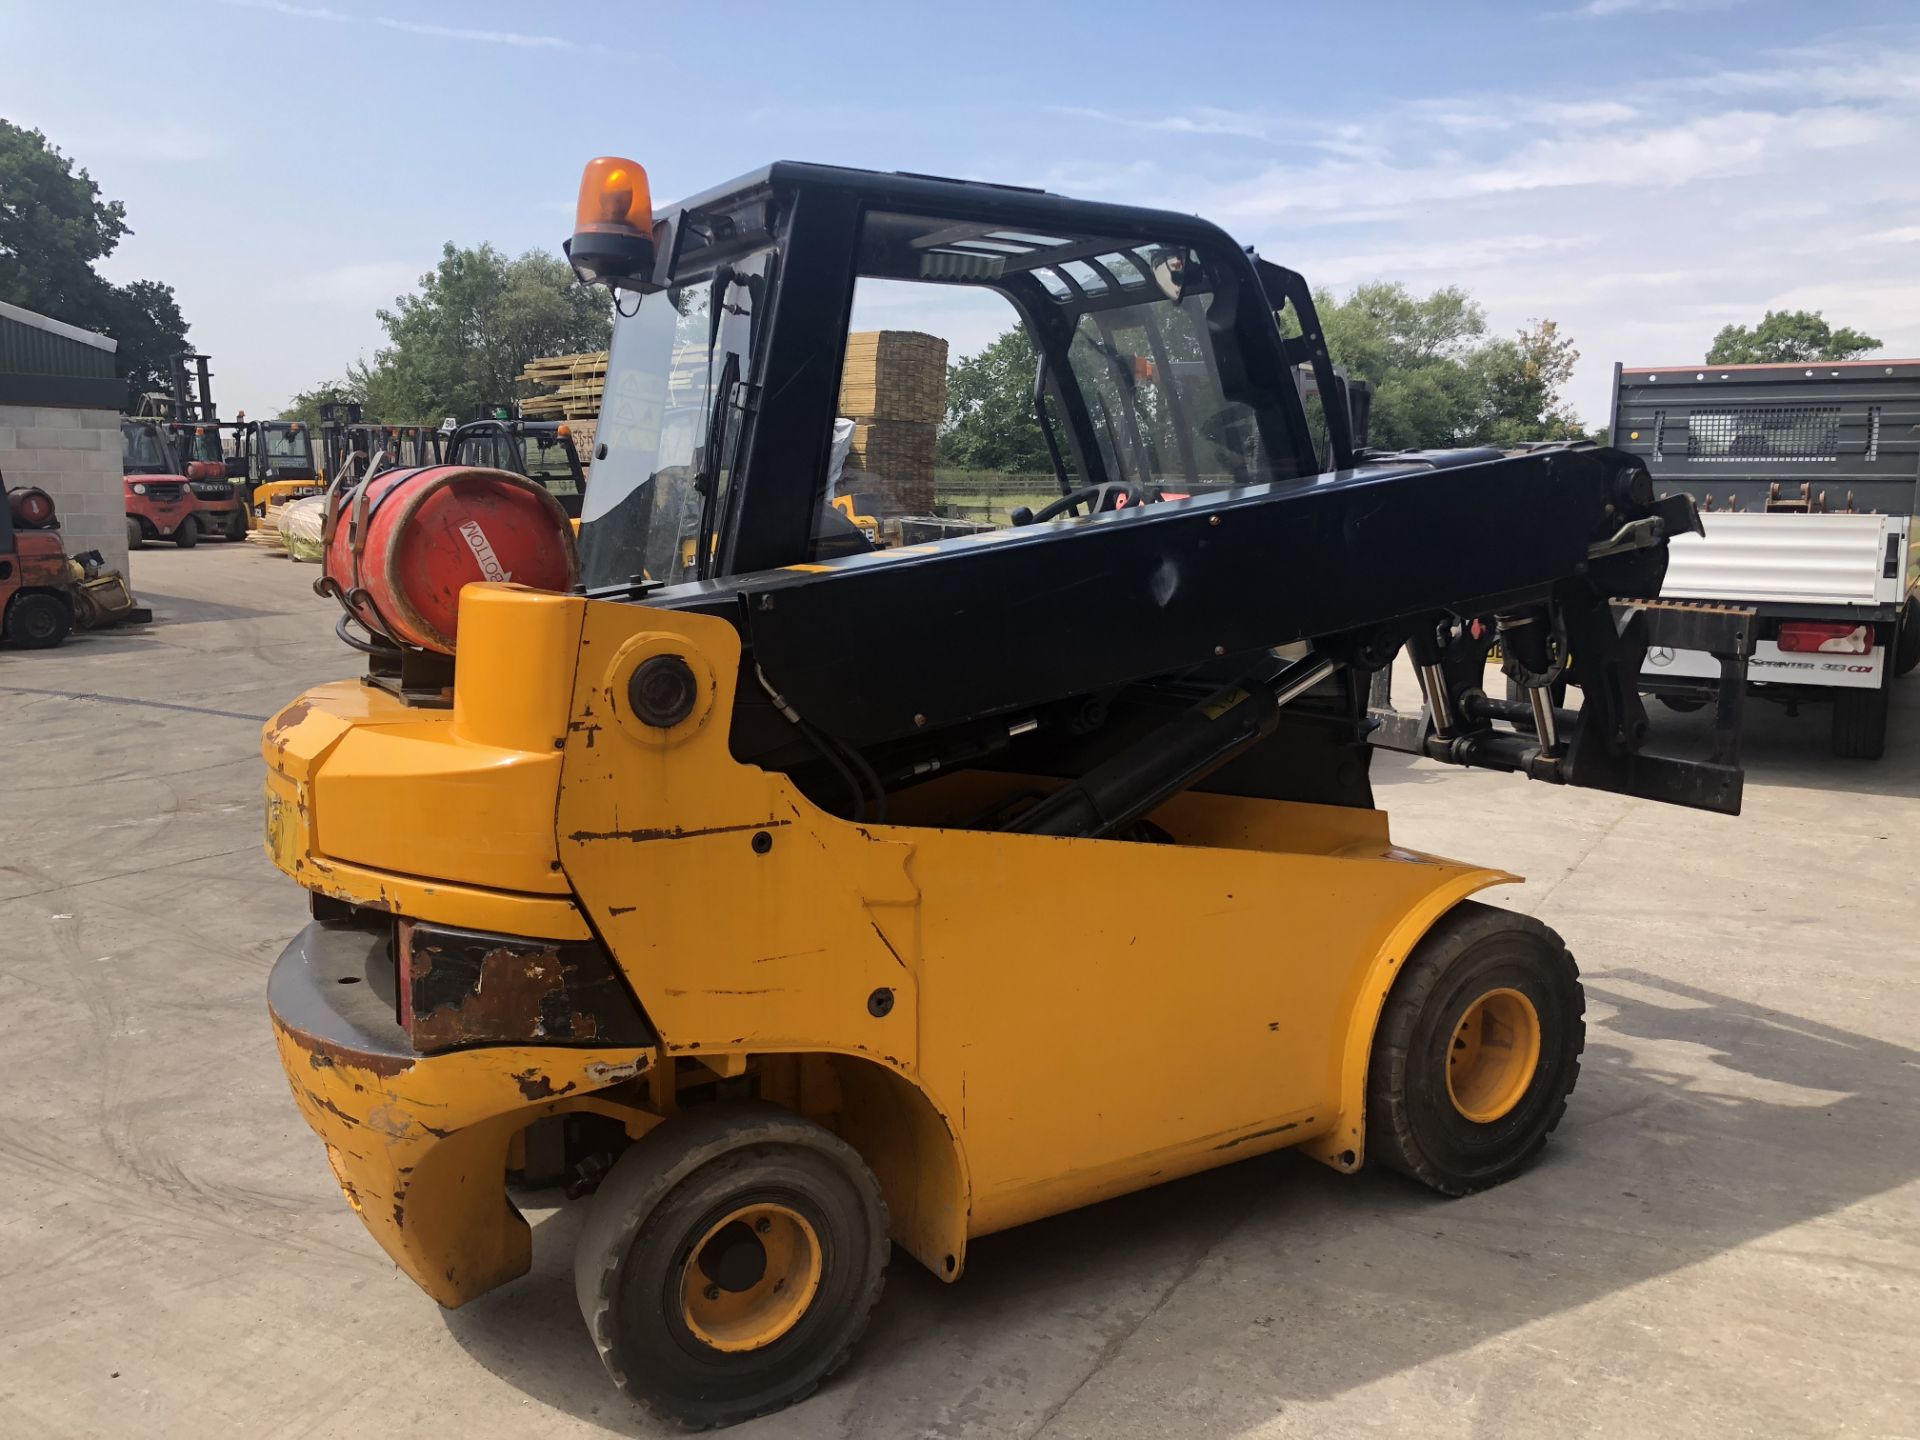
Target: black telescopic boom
[(1172, 757)]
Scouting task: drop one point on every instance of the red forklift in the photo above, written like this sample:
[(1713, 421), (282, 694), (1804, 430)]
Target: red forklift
[(44, 592), (219, 508), (193, 424), (159, 497)]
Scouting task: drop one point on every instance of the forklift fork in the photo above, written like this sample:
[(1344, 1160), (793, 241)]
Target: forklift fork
[(1598, 745)]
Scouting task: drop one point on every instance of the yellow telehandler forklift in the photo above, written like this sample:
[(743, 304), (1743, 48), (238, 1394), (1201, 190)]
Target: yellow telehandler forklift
[(784, 957)]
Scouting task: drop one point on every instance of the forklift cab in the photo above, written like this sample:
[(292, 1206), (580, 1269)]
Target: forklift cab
[(274, 461), (542, 450), (146, 450), (199, 445), (277, 451), (415, 445), (1161, 372)]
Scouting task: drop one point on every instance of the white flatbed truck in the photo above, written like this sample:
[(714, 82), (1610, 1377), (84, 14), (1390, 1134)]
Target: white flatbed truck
[(1808, 481)]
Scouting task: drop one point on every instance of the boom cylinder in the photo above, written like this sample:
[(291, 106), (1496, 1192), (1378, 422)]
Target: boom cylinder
[(1172, 758)]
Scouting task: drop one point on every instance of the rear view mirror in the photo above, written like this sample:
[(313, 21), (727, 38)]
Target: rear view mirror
[(1170, 265)]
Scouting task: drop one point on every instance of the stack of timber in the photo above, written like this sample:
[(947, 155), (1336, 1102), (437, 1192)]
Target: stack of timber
[(574, 382), (894, 388)]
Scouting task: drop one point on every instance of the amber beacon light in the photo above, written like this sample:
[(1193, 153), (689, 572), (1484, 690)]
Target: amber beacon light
[(612, 240)]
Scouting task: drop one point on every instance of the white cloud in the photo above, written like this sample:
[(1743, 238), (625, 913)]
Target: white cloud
[(490, 37), (283, 7), (1642, 222), (516, 38), (1602, 9), (1202, 120)]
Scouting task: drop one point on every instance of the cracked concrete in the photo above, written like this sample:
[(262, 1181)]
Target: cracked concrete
[(1720, 1241)]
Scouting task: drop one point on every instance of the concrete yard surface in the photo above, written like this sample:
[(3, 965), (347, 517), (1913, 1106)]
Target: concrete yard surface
[(1722, 1239)]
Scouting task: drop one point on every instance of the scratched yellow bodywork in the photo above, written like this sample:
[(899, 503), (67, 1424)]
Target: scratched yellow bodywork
[(1064, 1020)]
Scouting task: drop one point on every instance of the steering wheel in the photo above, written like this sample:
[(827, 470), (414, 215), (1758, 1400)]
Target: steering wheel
[(1111, 495)]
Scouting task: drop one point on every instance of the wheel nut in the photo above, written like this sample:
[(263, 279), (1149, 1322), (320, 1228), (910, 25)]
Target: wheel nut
[(763, 1225), (713, 1292)]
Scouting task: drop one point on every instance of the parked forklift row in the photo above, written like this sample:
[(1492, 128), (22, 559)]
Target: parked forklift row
[(208, 479)]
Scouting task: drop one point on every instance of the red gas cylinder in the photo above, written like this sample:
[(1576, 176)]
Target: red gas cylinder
[(406, 542), (31, 507), (206, 470)]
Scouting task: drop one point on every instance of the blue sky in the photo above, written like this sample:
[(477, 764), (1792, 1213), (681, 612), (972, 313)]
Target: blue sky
[(1643, 171)]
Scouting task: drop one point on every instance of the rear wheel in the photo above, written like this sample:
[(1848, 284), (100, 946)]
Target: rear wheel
[(1477, 1050), (1860, 721), (730, 1263), (38, 621), (1906, 649), (188, 535)]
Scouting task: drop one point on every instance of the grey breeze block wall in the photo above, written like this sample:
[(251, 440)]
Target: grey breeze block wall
[(73, 455)]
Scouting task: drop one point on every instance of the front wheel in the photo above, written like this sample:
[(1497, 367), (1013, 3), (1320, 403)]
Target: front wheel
[(1906, 645), (38, 620), (730, 1263), (1476, 1052), (136, 537), (188, 535)]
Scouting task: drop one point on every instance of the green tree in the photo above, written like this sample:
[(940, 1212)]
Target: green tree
[(1438, 380), (990, 423), (1520, 382), (144, 317), (54, 226), (1788, 337), (478, 318)]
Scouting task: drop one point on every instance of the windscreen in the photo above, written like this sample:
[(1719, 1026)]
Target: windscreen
[(143, 451), (201, 444), (659, 490), (288, 447), (1142, 346)]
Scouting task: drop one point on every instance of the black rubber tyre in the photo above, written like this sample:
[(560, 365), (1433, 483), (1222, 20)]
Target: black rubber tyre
[(1682, 704), (37, 620), (1473, 953), (661, 1209), (136, 537), (234, 526), (1906, 649), (188, 535), (1860, 721)]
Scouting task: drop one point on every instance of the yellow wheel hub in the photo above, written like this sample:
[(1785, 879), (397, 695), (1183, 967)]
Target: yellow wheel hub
[(751, 1277), (1496, 1049)]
